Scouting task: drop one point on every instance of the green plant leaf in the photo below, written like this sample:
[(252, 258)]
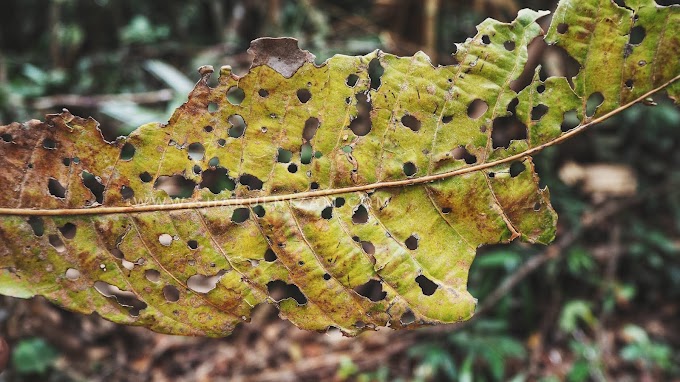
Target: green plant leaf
[(353, 194)]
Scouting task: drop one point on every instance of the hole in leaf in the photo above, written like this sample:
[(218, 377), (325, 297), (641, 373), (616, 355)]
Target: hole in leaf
[(283, 156), (68, 230), (570, 120), (72, 274), (204, 284), (152, 275), (306, 153), (235, 95), (372, 290), (311, 125), (407, 318), (56, 189), (314, 186), (447, 119), (326, 276), (477, 108), (145, 177), (368, 247), (240, 215), (193, 244), (278, 290), (594, 101), (304, 95), (197, 169), (176, 186), (95, 186), (361, 124), (212, 107), (426, 285), (124, 298), (637, 34), (127, 152), (269, 255), (221, 142), (486, 40), (538, 111), (56, 242), (375, 71), (49, 144), (117, 253), (629, 83), (238, 126), (327, 213), (214, 162), (216, 180), (292, 168), (412, 242), (259, 211), (6, 137), (411, 122), (171, 293), (410, 169), (512, 106), (516, 168), (509, 45), (461, 152), (537, 206), (339, 202), (208, 129), (66, 162), (507, 129), (263, 93), (37, 225), (446, 210), (352, 80), (251, 181), (360, 215), (165, 239), (196, 151), (562, 28)]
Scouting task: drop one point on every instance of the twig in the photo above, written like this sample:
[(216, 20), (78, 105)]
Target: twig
[(73, 100), (555, 251)]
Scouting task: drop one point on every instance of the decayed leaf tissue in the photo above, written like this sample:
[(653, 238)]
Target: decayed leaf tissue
[(363, 186)]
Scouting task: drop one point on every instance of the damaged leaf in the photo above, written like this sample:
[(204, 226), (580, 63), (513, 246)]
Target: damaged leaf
[(353, 194)]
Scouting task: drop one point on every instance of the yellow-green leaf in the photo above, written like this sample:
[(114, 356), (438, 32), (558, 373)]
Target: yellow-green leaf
[(352, 194)]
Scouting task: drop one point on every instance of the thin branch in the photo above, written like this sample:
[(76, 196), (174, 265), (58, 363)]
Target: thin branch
[(554, 251), (73, 100)]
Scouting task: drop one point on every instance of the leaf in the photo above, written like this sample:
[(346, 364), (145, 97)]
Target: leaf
[(353, 194)]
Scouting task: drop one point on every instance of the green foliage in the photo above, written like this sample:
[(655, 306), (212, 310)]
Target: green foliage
[(574, 313), (642, 350), (141, 31), (488, 343), (33, 356)]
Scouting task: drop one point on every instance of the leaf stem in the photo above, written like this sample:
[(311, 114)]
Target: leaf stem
[(318, 193)]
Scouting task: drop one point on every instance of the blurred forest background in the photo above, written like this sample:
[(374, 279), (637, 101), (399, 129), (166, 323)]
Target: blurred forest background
[(601, 303)]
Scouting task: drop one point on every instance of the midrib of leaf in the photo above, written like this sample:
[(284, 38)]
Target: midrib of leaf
[(329, 192)]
